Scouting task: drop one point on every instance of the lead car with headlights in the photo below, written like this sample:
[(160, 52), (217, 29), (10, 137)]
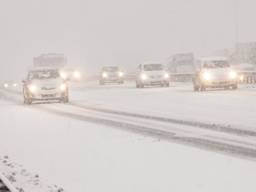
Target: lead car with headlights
[(150, 74), (214, 73), (45, 85)]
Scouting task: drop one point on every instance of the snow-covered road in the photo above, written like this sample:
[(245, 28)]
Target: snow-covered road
[(226, 107), (98, 157)]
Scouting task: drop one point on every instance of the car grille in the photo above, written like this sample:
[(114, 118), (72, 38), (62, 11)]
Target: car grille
[(48, 88), (48, 95), (221, 83), (155, 76)]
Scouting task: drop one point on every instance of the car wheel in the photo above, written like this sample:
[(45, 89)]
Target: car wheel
[(202, 88), (102, 82), (28, 101), (65, 99), (196, 88), (226, 87), (234, 87), (138, 85)]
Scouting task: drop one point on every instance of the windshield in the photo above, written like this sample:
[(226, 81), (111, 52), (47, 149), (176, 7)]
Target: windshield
[(43, 75), (110, 69), (216, 64), (153, 67)]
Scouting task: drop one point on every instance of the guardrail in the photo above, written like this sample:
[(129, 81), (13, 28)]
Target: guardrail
[(7, 184), (248, 77), (181, 77), (245, 77)]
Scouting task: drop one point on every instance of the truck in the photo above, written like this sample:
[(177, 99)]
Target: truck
[(50, 60)]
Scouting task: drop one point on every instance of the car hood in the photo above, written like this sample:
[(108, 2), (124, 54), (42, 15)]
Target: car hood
[(48, 83), (220, 74), (153, 73)]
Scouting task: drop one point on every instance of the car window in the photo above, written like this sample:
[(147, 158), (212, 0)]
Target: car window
[(153, 67), (43, 75), (216, 64), (110, 69)]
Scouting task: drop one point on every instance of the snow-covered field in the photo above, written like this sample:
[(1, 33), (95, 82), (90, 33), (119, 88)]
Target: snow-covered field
[(84, 156)]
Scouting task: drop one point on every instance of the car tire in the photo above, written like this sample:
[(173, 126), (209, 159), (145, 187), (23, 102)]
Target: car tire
[(27, 101), (138, 85), (202, 88), (234, 87), (196, 88), (227, 87), (65, 99), (102, 82)]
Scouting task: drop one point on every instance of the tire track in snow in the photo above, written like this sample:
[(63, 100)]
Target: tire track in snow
[(202, 143), (171, 136), (213, 127)]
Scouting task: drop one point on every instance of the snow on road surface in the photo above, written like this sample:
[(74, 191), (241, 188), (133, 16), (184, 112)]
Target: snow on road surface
[(228, 107), (82, 156)]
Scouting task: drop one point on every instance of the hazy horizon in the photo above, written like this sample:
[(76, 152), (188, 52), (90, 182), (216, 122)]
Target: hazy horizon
[(96, 33)]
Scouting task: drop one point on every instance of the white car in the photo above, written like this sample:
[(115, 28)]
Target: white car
[(152, 74), (45, 85), (70, 75), (111, 74), (214, 73)]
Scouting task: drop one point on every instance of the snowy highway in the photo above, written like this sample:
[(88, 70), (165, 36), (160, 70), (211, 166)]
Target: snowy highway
[(221, 122)]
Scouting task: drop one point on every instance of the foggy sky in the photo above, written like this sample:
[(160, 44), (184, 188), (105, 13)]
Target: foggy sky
[(93, 33)]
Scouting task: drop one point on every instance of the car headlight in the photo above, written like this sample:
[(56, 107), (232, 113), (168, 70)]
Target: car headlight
[(32, 88), (120, 74), (104, 75), (63, 75), (207, 76), (6, 85), (143, 76), (77, 75), (166, 76), (63, 87), (241, 78), (232, 75)]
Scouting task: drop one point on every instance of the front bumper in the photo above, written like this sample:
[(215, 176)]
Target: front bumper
[(216, 84), (155, 81), (49, 95), (112, 79)]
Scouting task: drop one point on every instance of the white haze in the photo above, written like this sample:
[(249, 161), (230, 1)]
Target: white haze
[(93, 33)]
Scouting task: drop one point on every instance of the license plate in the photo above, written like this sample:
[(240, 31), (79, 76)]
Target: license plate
[(48, 95)]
